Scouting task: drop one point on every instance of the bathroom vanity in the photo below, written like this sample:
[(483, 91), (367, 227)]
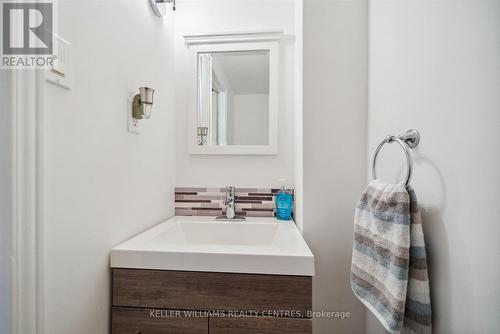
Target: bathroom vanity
[(197, 275)]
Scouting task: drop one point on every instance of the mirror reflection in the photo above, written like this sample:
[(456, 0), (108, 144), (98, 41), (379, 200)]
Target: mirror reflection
[(233, 98)]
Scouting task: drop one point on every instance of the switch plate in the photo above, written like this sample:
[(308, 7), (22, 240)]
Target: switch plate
[(60, 74)]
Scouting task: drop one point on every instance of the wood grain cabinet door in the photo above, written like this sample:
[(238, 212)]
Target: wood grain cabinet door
[(190, 290), (260, 325), (142, 321)]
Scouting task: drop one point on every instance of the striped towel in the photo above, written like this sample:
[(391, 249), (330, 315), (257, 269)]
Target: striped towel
[(389, 266)]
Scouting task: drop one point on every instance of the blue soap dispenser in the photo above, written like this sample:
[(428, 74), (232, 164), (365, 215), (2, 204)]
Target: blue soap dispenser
[(284, 203)]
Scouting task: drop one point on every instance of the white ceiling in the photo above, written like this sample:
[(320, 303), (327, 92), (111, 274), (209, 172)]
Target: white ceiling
[(245, 72)]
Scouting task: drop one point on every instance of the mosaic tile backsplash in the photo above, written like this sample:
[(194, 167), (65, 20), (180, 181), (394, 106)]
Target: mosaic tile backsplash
[(250, 202)]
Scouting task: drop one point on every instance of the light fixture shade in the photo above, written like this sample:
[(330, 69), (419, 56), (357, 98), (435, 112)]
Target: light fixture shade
[(146, 94), (146, 110), (146, 98)]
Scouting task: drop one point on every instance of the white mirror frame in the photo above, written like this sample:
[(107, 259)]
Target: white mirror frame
[(242, 41)]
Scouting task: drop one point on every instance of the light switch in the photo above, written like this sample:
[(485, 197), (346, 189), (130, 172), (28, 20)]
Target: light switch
[(61, 72)]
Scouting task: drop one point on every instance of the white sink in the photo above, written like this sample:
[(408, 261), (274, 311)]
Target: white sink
[(258, 245)]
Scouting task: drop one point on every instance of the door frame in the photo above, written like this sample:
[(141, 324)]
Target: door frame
[(27, 193)]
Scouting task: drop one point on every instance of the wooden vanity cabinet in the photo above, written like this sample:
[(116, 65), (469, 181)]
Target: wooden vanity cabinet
[(160, 301), (126, 320), (261, 325)]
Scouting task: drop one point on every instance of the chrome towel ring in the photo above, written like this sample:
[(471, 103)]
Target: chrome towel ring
[(410, 139)]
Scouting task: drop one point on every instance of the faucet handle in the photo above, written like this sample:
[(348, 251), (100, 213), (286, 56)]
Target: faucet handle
[(230, 195), (230, 191)]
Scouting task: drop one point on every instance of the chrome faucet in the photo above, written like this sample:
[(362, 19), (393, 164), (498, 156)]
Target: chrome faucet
[(230, 203)]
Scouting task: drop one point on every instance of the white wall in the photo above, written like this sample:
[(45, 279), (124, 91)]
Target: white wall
[(103, 184), (235, 15), (335, 95), (435, 66), (250, 121), (5, 201)]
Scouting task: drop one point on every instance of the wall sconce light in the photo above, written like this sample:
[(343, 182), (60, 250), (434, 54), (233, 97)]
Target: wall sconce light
[(159, 6), (143, 103)]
